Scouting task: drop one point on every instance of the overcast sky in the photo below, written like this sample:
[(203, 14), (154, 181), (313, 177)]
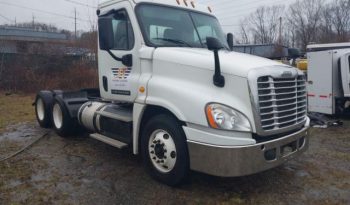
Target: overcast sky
[(61, 12)]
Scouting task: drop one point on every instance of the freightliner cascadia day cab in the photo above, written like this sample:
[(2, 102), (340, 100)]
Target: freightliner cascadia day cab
[(173, 91)]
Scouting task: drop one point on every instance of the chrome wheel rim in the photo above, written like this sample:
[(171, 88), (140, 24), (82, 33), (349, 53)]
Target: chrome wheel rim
[(40, 109), (162, 151), (57, 116)]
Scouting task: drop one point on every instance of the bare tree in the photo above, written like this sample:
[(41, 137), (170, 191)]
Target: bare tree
[(326, 32), (306, 17), (339, 16), (264, 24), (245, 38)]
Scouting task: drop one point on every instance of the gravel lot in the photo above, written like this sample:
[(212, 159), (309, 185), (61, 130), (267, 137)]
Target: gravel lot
[(84, 171)]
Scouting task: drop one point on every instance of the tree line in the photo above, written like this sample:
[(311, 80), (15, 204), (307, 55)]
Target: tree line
[(301, 23)]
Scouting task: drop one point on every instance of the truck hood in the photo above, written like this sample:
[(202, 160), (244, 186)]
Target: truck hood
[(232, 63)]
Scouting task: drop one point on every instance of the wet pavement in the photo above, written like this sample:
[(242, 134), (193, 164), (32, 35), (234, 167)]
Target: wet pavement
[(84, 171)]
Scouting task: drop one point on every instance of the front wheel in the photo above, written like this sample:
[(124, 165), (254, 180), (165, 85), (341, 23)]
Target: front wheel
[(164, 150)]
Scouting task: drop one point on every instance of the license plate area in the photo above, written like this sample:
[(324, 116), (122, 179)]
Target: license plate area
[(289, 149)]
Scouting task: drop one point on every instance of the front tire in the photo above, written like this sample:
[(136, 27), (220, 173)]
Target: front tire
[(164, 150)]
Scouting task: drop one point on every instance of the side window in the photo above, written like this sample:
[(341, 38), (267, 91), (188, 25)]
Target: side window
[(122, 31)]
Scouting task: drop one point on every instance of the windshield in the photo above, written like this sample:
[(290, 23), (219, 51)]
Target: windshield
[(171, 27)]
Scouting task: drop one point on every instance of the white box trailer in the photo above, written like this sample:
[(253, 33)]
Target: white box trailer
[(328, 78)]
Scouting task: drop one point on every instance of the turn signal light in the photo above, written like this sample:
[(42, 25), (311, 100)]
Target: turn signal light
[(211, 119)]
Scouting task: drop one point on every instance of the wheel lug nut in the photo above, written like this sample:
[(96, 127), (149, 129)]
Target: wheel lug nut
[(154, 141), (152, 146), (152, 152), (158, 161), (173, 154), (154, 158), (162, 161)]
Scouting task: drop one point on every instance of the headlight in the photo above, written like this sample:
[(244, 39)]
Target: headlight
[(223, 117)]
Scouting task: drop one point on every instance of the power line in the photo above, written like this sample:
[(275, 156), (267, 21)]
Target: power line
[(239, 6), (244, 15), (42, 11), (7, 19), (81, 4)]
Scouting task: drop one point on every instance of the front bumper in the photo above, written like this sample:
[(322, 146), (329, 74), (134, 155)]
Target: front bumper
[(236, 161)]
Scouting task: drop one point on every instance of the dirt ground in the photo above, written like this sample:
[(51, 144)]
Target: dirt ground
[(84, 171)]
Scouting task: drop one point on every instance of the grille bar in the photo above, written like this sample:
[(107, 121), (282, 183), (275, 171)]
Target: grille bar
[(284, 105), (282, 102), (277, 112)]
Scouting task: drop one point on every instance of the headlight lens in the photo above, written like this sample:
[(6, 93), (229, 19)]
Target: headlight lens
[(223, 117)]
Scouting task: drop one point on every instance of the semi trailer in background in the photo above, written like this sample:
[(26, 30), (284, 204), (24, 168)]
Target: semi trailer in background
[(173, 91), (329, 78)]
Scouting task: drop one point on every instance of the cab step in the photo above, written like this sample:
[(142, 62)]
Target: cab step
[(108, 140)]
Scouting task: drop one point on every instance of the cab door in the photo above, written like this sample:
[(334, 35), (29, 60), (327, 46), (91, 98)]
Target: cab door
[(119, 80)]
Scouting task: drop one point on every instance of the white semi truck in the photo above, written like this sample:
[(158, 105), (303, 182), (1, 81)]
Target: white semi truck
[(173, 91), (329, 78)]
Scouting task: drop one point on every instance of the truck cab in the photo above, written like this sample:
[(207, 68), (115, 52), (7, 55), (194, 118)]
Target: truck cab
[(173, 91)]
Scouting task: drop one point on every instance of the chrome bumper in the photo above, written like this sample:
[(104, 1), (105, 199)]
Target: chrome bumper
[(245, 160)]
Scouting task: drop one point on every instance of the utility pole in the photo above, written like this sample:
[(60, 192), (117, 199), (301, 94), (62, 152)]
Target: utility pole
[(33, 22), (75, 23), (280, 32)]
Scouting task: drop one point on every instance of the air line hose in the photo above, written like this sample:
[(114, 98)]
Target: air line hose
[(24, 148)]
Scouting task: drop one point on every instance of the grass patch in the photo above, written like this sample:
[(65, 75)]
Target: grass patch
[(15, 109)]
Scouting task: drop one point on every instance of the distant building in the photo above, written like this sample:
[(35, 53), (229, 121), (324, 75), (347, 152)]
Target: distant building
[(15, 40)]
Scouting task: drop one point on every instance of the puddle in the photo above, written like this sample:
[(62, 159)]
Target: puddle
[(19, 133)]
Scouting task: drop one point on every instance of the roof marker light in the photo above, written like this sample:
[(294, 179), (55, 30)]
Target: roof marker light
[(178, 2), (192, 3), (209, 9), (185, 1)]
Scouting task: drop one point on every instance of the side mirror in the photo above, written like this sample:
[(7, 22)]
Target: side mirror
[(214, 44), (105, 32), (230, 40), (127, 60)]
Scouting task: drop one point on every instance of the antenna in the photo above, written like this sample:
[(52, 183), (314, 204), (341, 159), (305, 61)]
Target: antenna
[(75, 23)]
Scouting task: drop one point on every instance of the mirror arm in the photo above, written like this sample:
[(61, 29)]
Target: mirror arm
[(218, 79), (114, 56), (126, 59)]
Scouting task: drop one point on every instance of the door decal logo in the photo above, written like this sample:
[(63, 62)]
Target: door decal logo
[(121, 73)]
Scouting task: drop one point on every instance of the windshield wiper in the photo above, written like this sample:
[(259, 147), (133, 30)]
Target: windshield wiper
[(176, 41)]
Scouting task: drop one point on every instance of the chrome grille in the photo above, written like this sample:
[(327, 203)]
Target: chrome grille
[(281, 102)]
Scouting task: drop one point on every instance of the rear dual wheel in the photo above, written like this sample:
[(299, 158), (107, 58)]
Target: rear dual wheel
[(43, 106), (64, 125)]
